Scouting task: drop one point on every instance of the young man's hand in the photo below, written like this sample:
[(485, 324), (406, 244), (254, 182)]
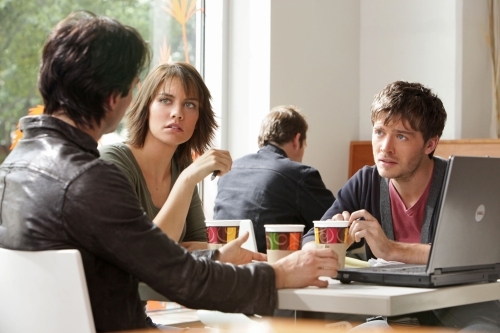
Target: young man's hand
[(233, 253), (364, 225), (382, 247)]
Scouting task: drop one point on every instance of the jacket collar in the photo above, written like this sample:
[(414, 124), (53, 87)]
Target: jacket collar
[(30, 126), (274, 149)]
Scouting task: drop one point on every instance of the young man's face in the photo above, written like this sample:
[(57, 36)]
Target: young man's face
[(398, 150), (119, 105)]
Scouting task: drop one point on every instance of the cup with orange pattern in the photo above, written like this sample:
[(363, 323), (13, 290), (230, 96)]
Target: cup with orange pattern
[(333, 235)]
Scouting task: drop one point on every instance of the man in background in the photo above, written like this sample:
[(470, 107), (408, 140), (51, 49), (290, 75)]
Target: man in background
[(272, 186)]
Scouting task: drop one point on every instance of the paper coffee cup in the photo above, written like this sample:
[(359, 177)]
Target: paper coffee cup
[(333, 235), (220, 232), (282, 239)]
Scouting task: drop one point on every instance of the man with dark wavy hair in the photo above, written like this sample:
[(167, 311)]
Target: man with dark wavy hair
[(55, 193)]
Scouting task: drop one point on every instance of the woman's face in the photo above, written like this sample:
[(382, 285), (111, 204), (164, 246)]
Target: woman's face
[(172, 114)]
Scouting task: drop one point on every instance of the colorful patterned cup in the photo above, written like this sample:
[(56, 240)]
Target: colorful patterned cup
[(220, 232), (333, 235), (282, 239)]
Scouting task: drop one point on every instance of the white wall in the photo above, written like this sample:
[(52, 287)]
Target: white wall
[(476, 93), (295, 52), (441, 44), (315, 65), (248, 65), (330, 57), (409, 40)]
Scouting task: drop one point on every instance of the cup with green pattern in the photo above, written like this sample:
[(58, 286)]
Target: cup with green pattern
[(282, 239)]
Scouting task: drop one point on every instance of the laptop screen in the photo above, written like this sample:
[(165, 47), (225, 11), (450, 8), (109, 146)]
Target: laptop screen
[(468, 226)]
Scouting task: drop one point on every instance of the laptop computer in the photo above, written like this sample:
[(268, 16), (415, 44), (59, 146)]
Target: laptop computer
[(467, 236)]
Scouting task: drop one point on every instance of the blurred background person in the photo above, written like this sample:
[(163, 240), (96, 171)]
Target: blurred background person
[(272, 186)]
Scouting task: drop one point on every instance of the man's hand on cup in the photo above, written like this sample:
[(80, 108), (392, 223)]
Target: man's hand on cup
[(233, 253), (341, 217), (364, 225), (345, 216), (303, 268)]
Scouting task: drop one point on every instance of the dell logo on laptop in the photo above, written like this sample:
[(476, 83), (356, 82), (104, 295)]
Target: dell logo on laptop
[(480, 213)]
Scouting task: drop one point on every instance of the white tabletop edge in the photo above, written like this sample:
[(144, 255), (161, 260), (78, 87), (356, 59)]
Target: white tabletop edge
[(367, 299)]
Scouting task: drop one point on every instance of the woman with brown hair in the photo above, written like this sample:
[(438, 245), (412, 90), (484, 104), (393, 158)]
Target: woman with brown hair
[(170, 120)]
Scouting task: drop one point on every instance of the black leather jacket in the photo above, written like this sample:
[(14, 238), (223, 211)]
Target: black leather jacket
[(55, 193)]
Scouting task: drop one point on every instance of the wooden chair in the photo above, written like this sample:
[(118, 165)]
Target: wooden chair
[(361, 151), (44, 292)]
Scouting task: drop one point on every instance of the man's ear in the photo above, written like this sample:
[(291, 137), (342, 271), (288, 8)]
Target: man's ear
[(431, 145), (296, 141), (112, 100)]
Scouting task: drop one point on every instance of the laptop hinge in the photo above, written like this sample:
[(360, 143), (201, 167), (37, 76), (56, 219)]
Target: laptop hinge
[(494, 268)]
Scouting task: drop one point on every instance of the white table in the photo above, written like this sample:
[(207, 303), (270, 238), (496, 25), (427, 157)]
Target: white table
[(368, 299)]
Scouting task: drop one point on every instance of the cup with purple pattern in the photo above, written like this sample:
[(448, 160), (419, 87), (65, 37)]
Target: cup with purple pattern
[(282, 239), (333, 235), (220, 232)]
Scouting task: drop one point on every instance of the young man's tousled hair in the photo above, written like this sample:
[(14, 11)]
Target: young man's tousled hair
[(77, 75), (412, 103)]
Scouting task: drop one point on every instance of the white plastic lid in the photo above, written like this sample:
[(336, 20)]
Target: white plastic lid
[(284, 227), (331, 224), (222, 223)]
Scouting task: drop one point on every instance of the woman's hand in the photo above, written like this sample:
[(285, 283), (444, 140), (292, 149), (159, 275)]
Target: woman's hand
[(210, 161)]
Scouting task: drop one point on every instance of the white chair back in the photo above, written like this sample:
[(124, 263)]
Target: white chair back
[(250, 244), (44, 292)]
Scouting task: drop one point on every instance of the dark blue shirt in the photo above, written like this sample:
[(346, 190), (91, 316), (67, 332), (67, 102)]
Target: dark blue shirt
[(269, 188)]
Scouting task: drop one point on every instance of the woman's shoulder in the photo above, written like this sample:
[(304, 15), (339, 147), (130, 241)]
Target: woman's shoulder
[(114, 151), (117, 146), (120, 155)]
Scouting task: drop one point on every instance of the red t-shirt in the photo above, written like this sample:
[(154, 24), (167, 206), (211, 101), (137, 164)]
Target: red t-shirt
[(407, 223)]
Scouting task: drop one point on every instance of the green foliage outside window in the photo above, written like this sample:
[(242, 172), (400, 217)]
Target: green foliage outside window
[(24, 26)]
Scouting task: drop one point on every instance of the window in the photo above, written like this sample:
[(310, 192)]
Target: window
[(173, 28)]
